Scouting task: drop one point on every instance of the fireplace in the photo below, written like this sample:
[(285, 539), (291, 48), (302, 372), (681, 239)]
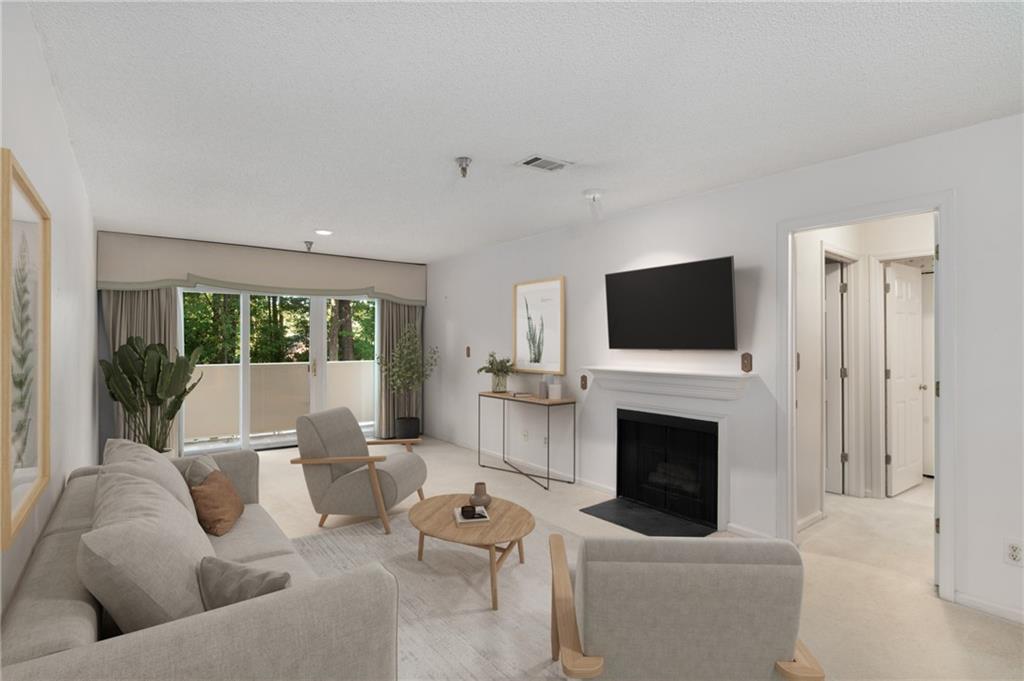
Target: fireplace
[(667, 476), (669, 463)]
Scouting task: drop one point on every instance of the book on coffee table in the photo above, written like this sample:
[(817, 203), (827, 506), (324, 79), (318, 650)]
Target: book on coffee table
[(480, 517)]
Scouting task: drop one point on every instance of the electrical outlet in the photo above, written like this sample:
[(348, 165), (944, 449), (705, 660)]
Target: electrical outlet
[(526, 436), (1014, 552)]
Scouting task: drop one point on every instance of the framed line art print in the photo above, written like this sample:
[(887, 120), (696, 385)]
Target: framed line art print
[(24, 347), (538, 326)]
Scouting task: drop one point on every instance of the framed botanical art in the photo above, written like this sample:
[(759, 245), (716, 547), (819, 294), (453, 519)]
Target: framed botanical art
[(538, 326), (24, 346)]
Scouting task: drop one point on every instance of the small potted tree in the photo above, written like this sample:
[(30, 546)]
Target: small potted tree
[(499, 369), (405, 369), (150, 387)]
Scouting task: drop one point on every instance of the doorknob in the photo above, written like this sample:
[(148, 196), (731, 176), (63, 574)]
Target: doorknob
[(923, 386)]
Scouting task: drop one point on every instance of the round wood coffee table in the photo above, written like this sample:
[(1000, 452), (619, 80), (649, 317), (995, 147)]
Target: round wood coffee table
[(509, 523)]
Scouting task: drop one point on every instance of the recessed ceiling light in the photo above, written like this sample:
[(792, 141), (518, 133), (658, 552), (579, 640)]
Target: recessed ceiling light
[(323, 232)]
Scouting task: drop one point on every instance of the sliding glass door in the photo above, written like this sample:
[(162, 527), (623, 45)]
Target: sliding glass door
[(268, 359), (211, 321), (279, 368)]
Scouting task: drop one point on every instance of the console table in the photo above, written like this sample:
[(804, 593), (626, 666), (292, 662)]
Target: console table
[(534, 400)]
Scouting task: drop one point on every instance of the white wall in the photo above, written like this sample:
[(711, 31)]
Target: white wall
[(34, 129), (469, 303), (911, 234)]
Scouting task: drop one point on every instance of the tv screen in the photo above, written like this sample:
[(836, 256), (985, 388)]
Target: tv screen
[(689, 306)]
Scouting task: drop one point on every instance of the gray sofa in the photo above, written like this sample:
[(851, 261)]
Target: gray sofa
[(333, 628)]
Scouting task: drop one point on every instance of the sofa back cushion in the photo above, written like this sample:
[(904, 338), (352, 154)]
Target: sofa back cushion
[(51, 610), (141, 559), (125, 456)]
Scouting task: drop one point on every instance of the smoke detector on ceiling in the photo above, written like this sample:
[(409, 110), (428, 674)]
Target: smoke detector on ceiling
[(543, 163)]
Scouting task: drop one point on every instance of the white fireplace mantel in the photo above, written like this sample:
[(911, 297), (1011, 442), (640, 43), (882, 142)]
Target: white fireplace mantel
[(704, 385)]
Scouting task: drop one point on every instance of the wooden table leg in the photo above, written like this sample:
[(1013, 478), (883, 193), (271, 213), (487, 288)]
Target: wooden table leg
[(419, 555), (494, 576), (522, 556)]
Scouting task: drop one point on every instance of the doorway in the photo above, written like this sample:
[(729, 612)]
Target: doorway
[(861, 418), (267, 359)]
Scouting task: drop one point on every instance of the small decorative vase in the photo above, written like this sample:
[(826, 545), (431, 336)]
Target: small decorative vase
[(499, 383), (480, 496)]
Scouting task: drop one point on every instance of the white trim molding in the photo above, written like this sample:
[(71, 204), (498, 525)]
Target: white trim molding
[(675, 383)]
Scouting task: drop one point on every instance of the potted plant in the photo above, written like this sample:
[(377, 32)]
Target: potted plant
[(405, 369), (499, 369), (150, 387)]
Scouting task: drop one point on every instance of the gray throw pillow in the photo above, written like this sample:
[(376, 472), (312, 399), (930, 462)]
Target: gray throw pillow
[(133, 458), (223, 582), (141, 558), (198, 469)]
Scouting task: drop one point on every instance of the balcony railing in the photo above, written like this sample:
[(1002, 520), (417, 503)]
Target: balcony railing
[(279, 393)]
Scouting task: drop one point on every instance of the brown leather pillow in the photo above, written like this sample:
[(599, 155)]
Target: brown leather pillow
[(218, 505)]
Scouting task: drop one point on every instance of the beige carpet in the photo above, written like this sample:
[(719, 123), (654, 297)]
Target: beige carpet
[(869, 609), (446, 627)]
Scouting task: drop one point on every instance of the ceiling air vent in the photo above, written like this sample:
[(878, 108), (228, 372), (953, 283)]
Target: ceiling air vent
[(541, 163)]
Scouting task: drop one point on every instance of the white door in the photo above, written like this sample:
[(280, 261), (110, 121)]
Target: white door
[(834, 422), (904, 392), (928, 368)]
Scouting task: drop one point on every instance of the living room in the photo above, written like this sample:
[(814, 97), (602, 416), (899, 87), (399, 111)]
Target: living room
[(344, 209)]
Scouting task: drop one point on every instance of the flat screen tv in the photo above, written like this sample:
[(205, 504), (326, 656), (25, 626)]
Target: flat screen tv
[(689, 306)]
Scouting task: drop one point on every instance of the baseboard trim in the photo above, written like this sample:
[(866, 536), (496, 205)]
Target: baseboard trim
[(746, 531), (804, 523), (1012, 614)]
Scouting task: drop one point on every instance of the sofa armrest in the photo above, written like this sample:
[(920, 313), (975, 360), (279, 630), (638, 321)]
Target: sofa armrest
[(339, 628), (242, 466)]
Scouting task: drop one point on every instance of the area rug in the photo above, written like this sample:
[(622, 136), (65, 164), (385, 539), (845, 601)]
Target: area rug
[(446, 627)]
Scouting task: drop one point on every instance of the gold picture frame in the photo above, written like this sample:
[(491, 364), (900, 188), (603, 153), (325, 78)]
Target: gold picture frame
[(548, 296), (25, 269)]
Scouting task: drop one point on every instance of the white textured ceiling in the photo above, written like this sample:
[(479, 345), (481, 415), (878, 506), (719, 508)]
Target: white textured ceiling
[(258, 123)]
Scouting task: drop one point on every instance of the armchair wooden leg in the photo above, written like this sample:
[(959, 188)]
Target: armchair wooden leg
[(408, 447), (420, 492), (554, 629), (378, 497), (323, 519)]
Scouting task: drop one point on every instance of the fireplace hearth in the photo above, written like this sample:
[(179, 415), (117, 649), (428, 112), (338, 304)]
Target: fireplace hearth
[(667, 475)]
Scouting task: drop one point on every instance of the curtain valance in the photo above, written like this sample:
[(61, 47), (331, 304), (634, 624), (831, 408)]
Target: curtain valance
[(129, 262)]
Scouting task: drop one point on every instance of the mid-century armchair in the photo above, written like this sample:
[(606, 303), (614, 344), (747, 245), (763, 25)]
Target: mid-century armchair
[(342, 477), (679, 609)]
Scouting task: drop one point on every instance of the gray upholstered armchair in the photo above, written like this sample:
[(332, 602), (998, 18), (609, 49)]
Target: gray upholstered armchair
[(342, 477), (679, 609)]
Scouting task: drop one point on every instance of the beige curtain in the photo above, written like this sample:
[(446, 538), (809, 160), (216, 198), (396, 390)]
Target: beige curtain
[(152, 314), (393, 318)]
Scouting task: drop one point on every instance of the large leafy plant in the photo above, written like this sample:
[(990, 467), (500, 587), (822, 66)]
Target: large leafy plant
[(408, 366), (150, 387)]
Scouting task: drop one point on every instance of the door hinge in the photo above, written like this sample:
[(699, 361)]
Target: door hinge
[(888, 286), (888, 459), (843, 373), (938, 385), (938, 526), (844, 457), (888, 374), (844, 287), (798, 361), (936, 257)]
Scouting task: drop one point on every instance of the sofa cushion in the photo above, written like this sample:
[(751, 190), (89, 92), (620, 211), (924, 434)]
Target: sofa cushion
[(141, 559), (73, 512), (218, 505), (125, 456), (225, 582), (51, 610), (292, 563), (197, 469), (254, 536)]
